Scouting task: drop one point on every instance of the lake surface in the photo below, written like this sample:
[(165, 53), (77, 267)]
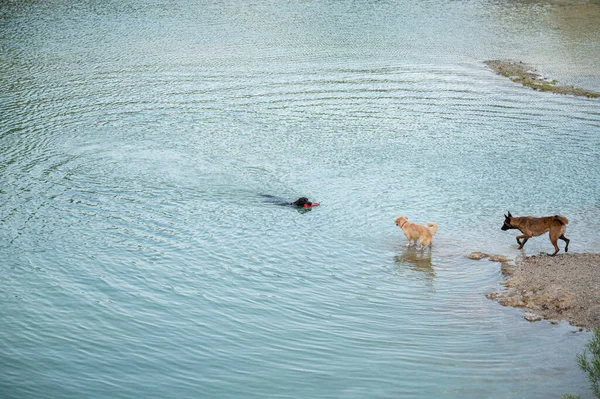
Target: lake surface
[(139, 260)]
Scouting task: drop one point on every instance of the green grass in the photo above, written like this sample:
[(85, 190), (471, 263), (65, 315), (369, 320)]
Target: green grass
[(589, 362)]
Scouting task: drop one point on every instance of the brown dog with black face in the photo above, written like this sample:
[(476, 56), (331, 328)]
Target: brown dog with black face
[(532, 227)]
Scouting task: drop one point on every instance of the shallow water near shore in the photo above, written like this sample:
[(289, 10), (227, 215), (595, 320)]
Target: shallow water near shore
[(140, 259)]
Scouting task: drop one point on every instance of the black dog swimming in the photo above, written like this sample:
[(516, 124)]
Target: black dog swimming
[(301, 202)]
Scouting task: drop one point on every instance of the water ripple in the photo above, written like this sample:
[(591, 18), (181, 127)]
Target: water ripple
[(141, 260)]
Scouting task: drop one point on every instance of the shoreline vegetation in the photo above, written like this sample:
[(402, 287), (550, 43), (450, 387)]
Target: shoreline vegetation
[(562, 287), (526, 74)]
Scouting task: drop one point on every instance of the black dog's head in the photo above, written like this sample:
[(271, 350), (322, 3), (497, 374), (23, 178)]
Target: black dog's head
[(507, 222), (301, 202)]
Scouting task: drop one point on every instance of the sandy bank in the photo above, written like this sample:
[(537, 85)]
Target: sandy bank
[(525, 74), (563, 287)]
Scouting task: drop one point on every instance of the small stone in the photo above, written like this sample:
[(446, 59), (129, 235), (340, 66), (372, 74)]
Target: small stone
[(515, 302), (512, 282), (507, 269), (477, 255), (499, 258), (565, 301), (493, 295), (532, 317)]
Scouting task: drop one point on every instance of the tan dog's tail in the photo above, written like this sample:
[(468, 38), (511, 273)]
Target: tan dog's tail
[(561, 219), (433, 227)]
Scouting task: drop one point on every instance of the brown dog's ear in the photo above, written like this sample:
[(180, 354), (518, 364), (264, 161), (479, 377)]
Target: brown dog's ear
[(509, 215), (505, 217)]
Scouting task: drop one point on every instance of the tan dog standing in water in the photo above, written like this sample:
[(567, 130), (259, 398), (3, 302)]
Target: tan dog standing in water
[(531, 227), (414, 232)]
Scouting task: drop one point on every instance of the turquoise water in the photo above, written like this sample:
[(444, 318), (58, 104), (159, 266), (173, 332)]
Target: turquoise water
[(138, 258)]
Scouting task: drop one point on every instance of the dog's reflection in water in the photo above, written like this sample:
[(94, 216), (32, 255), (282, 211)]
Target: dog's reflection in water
[(416, 260)]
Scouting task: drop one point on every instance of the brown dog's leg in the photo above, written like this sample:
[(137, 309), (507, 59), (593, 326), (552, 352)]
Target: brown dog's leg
[(525, 238), (554, 236), (554, 240), (565, 239), (556, 249)]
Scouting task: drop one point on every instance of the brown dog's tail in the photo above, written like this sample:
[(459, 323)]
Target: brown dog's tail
[(561, 219), (432, 227)]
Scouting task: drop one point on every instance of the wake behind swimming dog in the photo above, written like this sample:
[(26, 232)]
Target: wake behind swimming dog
[(416, 232)]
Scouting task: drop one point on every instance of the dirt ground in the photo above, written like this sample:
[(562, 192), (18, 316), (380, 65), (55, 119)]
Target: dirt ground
[(562, 287)]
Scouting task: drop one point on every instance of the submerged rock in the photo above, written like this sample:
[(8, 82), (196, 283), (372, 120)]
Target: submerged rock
[(477, 255), (482, 255), (553, 298), (493, 295), (499, 258), (529, 316)]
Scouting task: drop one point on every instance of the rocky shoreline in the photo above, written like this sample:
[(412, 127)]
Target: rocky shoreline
[(526, 74), (562, 287)]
